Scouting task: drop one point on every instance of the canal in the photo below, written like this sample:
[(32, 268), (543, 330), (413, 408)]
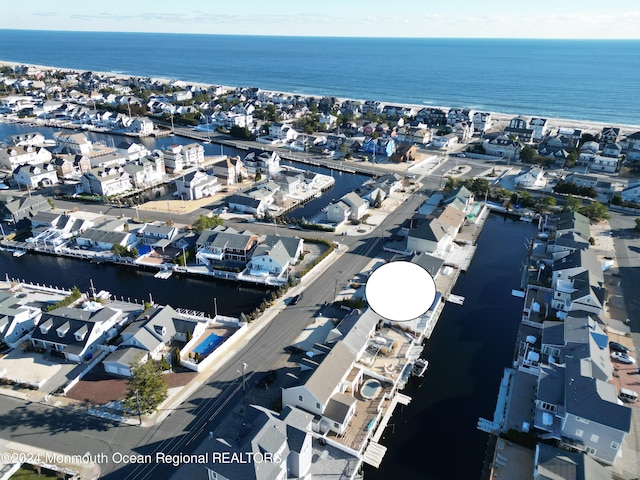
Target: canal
[(435, 436)]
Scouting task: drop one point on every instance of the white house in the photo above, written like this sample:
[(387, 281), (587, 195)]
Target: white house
[(13, 157), (631, 193), (338, 212), (16, 320), (357, 206), (196, 185), (531, 178), (73, 332), (106, 181), (502, 146), (540, 128), (76, 143), (34, 176)]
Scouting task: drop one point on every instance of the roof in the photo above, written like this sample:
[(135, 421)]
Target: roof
[(353, 200), (430, 263), (277, 253), (155, 326), (338, 407), (125, 355), (104, 236), (555, 464), (242, 199), (432, 230), (291, 244)]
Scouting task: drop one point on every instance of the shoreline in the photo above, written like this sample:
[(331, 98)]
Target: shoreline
[(588, 126)]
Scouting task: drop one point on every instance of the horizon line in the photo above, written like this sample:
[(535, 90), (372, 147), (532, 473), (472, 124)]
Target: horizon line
[(320, 36)]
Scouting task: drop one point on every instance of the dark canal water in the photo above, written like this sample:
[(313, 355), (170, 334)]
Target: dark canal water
[(193, 294), (435, 436)]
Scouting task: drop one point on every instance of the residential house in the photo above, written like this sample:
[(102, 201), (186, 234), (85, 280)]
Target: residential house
[(458, 115), (540, 128), (519, 128), (269, 259), (533, 177), (631, 193), (461, 198), (609, 135), (429, 236), (75, 333), (268, 163), (229, 170), (578, 283), (552, 463), (372, 106), (290, 182), (432, 116), (463, 130), (283, 132), (179, 157), (32, 139), (554, 148), (389, 183), (613, 150), (570, 136), (575, 401), (13, 157), (74, 143), (104, 239), (243, 203), (132, 150), (16, 320), (67, 165), (631, 145), (405, 153), (34, 176), (145, 172), (357, 206), (196, 185), (503, 146), (159, 236), (13, 209), (285, 436), (571, 222), (444, 141), (148, 338), (106, 181), (225, 243), (338, 212), (603, 188), (292, 245), (482, 122)]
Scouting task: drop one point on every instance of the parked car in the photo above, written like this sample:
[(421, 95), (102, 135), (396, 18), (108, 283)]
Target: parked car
[(295, 299), (623, 358), (618, 347)]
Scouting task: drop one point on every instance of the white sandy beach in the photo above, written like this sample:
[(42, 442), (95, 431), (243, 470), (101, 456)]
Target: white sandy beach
[(500, 120)]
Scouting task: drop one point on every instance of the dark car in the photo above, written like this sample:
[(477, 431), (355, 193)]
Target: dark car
[(295, 299), (617, 347)]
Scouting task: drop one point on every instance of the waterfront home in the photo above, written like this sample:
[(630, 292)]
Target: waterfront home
[(178, 157), (196, 185), (56, 229), (329, 391), (146, 171), (575, 402), (463, 130), (269, 260), (74, 143), (268, 163), (588, 152), (106, 235), (16, 320), (230, 170), (34, 176), (578, 283), (338, 212), (605, 189), (567, 222), (482, 122), (265, 434), (428, 236), (150, 337), (32, 139), (540, 128), (609, 135), (282, 132), (223, 244), (292, 245), (357, 205), (73, 333), (532, 177), (13, 157), (106, 181), (243, 203), (600, 163), (132, 150), (290, 182), (503, 146), (14, 209), (457, 115), (157, 235), (570, 136), (631, 146), (142, 126), (519, 128), (432, 116), (461, 198), (551, 463)]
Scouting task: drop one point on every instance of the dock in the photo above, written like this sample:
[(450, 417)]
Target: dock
[(163, 274), (457, 299)]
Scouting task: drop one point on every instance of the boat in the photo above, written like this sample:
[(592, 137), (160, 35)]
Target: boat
[(419, 367), (19, 253)]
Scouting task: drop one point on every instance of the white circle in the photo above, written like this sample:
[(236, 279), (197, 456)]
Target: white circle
[(400, 291)]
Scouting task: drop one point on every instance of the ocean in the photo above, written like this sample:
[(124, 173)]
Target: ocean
[(593, 80)]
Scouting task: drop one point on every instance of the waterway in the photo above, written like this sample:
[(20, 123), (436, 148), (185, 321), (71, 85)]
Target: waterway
[(435, 436), (191, 293)]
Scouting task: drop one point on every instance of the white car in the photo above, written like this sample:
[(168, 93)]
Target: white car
[(623, 358)]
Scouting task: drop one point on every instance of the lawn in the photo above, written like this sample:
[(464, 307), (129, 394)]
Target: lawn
[(27, 472)]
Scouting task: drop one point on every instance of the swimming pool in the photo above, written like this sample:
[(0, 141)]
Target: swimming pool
[(370, 389), (208, 345)]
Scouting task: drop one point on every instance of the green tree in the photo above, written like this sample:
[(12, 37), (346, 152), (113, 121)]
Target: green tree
[(240, 178), (147, 388), (595, 211), (378, 201), (637, 227), (572, 203), (258, 175), (240, 132), (527, 154), (206, 223), (547, 202)]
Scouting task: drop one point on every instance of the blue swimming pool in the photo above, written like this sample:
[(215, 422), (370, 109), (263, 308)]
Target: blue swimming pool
[(208, 345)]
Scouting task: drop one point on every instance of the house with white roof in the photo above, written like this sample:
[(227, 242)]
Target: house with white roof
[(75, 143), (532, 177), (16, 320)]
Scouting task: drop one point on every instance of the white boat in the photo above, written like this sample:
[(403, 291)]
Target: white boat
[(419, 367), (19, 253)]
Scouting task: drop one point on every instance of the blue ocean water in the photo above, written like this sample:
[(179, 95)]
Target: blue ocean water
[(596, 80)]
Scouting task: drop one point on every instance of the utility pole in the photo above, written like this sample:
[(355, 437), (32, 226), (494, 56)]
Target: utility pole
[(138, 405)]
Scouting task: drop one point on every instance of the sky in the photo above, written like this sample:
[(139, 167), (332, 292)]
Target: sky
[(582, 19)]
